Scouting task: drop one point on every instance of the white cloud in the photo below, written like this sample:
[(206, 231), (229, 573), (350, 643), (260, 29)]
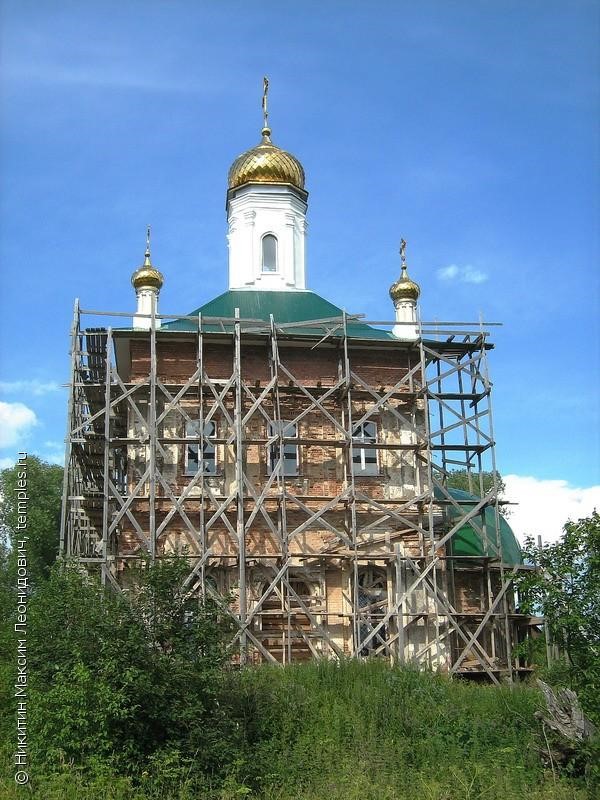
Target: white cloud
[(34, 387), (447, 273), (466, 274), (16, 420), (472, 275), (7, 463), (545, 505)]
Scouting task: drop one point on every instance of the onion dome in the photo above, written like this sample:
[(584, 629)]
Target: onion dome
[(147, 276), (266, 163), (404, 288)]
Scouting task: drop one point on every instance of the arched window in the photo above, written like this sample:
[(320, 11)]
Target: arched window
[(269, 253), (372, 597)]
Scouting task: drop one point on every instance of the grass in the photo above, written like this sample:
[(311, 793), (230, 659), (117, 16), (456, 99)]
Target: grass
[(324, 731)]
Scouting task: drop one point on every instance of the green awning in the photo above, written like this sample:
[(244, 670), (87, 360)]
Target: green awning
[(467, 541)]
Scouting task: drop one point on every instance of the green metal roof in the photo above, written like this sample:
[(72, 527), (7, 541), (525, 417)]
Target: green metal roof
[(468, 542), (286, 307)]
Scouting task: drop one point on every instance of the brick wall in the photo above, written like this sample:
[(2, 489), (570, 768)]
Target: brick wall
[(321, 471), (177, 361)]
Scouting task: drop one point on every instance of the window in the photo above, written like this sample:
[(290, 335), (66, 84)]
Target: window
[(364, 458), (372, 597), (269, 253), (290, 450), (208, 463)]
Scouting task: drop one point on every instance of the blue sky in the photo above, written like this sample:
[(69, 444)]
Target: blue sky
[(471, 129)]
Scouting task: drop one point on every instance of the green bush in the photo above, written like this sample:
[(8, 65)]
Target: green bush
[(352, 730), (121, 680), (132, 697)]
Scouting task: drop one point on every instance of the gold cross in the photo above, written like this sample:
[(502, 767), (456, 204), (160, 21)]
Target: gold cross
[(264, 102), (403, 251)]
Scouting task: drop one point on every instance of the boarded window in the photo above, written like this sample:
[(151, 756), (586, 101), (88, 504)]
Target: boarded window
[(283, 626)]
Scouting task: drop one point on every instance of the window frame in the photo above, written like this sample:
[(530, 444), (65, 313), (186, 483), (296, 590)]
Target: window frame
[(209, 449), (273, 429), (364, 466), (269, 235)]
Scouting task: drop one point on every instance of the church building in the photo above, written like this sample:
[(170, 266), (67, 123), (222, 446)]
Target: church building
[(295, 456)]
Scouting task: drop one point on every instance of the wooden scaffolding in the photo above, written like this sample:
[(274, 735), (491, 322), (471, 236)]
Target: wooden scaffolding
[(383, 578)]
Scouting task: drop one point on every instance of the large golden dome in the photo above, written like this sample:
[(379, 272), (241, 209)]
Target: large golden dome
[(266, 163)]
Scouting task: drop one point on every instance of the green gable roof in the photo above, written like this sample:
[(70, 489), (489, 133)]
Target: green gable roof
[(286, 307), (468, 542)]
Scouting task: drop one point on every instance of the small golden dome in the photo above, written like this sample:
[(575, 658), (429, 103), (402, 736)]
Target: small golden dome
[(266, 163), (404, 288), (147, 276)]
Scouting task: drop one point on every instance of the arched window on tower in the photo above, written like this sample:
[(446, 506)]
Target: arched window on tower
[(269, 253)]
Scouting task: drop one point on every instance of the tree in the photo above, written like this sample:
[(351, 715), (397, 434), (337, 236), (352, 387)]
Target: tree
[(459, 479), (566, 590), (124, 678), (44, 493)]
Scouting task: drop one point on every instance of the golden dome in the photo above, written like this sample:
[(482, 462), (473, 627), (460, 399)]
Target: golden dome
[(147, 276), (404, 288), (266, 163)]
